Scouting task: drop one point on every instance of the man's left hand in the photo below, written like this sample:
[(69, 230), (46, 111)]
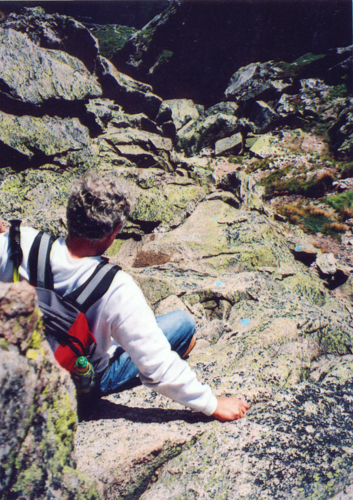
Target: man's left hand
[(229, 409)]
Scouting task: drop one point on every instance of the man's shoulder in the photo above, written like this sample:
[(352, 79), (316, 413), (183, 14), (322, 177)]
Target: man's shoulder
[(122, 278), (124, 283), (28, 235)]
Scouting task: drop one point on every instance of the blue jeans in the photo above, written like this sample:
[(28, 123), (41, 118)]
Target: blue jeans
[(122, 374)]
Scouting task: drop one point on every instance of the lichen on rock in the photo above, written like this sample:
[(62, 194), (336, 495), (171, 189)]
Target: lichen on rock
[(38, 408), (33, 74)]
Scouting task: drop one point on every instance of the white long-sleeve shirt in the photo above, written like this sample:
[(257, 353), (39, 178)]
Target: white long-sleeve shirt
[(121, 317)]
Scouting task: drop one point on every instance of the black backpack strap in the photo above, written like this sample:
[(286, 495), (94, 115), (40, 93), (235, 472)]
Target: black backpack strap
[(16, 254), (40, 274), (95, 287)]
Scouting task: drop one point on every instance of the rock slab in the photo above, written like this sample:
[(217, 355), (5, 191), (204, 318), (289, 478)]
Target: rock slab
[(37, 408)]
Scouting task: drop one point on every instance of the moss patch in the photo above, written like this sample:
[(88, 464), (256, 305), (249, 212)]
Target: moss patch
[(112, 37), (345, 169), (38, 197), (4, 344), (341, 202), (36, 339), (292, 70), (310, 218)]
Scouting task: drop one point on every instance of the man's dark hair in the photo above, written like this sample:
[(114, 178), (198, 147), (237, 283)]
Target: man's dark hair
[(96, 206)]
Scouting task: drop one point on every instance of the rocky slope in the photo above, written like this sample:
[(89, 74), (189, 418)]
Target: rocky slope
[(38, 408), (274, 311), (191, 49)]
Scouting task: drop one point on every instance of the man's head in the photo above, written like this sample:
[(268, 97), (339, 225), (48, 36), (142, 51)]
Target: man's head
[(97, 206)]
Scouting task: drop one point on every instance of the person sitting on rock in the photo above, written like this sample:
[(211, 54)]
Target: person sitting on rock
[(132, 345)]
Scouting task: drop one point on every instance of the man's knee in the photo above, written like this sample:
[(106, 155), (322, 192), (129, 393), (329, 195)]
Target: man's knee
[(188, 321), (178, 327)]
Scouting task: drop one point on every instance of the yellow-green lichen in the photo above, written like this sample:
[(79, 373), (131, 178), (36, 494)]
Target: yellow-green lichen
[(28, 479), (57, 443), (32, 354), (4, 344), (36, 339)]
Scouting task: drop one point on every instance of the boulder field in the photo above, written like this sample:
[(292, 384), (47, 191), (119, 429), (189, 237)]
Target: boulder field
[(274, 309)]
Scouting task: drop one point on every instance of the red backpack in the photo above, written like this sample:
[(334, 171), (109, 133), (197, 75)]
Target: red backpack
[(64, 319)]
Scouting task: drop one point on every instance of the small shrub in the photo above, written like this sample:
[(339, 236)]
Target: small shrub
[(318, 211), (165, 55), (340, 202), (292, 70), (112, 38), (337, 227), (318, 127), (347, 213), (274, 180), (310, 219), (315, 223), (314, 219), (316, 187), (295, 219), (338, 91), (346, 170), (292, 210), (258, 165)]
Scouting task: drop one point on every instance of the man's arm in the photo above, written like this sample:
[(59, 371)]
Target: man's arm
[(134, 327), (229, 409)]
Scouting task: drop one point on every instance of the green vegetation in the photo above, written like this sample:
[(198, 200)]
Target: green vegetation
[(313, 219), (282, 181), (302, 180), (338, 91), (311, 180), (317, 126), (146, 35), (165, 56), (309, 218), (320, 124), (342, 203), (112, 38), (308, 58), (292, 70), (262, 164), (345, 170)]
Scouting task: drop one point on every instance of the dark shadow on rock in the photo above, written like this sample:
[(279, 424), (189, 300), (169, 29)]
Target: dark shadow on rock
[(104, 409), (304, 257), (52, 107), (337, 280), (18, 161), (198, 36)]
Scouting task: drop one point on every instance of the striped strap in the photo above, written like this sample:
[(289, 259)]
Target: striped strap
[(95, 287), (43, 256), (40, 274), (93, 284)]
